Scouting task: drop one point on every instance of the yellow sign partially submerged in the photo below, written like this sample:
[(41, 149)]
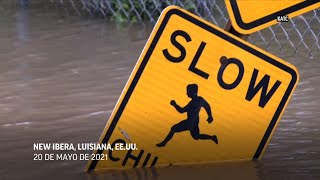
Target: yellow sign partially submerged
[(249, 16), (197, 94)]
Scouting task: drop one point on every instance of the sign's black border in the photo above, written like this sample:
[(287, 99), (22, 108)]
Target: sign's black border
[(250, 25), (220, 34)]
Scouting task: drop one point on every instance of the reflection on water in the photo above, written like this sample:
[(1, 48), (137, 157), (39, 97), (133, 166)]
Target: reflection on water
[(60, 78), (245, 170)]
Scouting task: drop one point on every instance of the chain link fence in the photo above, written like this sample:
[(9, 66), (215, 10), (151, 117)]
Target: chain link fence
[(299, 36)]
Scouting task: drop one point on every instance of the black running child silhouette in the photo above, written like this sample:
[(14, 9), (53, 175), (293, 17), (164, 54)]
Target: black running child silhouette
[(192, 122)]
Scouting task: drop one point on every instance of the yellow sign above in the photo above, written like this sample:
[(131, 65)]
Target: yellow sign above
[(197, 94), (249, 16)]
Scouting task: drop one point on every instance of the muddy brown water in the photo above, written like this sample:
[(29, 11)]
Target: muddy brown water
[(60, 78)]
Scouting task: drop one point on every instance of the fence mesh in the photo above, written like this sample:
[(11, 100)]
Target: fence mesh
[(299, 36)]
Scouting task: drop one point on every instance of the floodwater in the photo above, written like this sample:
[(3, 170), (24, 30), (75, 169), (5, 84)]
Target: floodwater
[(61, 76)]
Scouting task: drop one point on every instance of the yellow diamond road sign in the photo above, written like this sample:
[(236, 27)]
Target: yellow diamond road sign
[(197, 94), (249, 16)]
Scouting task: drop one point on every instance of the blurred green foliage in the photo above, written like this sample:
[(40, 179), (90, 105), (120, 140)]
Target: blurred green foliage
[(135, 10)]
